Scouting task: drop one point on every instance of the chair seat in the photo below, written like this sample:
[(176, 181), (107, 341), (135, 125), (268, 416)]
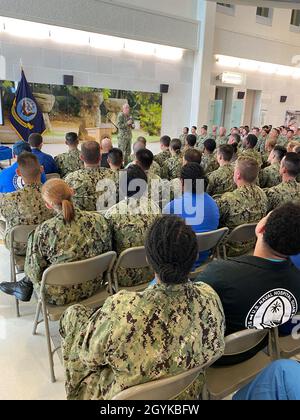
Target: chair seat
[(224, 380), (20, 262), (289, 347), (94, 302)]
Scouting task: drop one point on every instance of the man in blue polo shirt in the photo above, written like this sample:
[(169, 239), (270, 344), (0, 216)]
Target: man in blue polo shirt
[(195, 206), (9, 179), (36, 142)]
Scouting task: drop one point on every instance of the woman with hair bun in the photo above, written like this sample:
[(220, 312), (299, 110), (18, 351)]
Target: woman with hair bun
[(71, 235)]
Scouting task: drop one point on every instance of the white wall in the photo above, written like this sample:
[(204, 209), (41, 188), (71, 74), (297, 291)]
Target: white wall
[(241, 36), (47, 62), (183, 8)]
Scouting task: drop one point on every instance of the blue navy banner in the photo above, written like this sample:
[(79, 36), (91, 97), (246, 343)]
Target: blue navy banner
[(26, 117)]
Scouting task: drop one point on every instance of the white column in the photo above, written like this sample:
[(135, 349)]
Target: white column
[(203, 63)]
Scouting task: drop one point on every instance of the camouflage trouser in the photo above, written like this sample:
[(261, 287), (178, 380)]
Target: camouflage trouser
[(124, 143), (73, 323)]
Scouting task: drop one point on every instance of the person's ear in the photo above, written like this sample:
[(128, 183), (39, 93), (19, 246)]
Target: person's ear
[(48, 206), (42, 170), (81, 158), (72, 192), (18, 172)]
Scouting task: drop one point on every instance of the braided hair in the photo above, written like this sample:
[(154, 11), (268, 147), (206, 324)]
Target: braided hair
[(171, 249)]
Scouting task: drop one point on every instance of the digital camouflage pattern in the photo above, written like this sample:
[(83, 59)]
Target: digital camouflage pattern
[(162, 157), (155, 169), (200, 142), (247, 204), (84, 183), (282, 141), (261, 144), (209, 163), (129, 221), (221, 140), (172, 167), (57, 242), (270, 176), (68, 162), (183, 138), (253, 154), (141, 337), (221, 180), (124, 136), (283, 193), (23, 207)]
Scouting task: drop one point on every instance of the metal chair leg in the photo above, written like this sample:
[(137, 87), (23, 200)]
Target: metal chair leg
[(37, 315), (49, 348), (18, 308)]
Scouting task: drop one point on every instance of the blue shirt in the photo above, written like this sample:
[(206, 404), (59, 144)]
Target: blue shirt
[(199, 211), (10, 181), (46, 161), (296, 261)]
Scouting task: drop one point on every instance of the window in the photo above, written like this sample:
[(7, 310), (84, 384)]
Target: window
[(264, 15), (295, 18), (228, 9)]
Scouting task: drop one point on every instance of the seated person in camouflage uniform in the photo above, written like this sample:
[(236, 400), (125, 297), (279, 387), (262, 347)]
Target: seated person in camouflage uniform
[(190, 142), (137, 338), (222, 138), (249, 151), (84, 182), (247, 204), (262, 139), (209, 161), (270, 176), (190, 156), (105, 147), (172, 166), (25, 206), (108, 194), (69, 162), (72, 235), (165, 151), (129, 221), (140, 142), (288, 189), (203, 136), (221, 180), (183, 136), (155, 168)]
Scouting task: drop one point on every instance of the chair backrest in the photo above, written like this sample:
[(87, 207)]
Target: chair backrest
[(163, 389), (243, 233), (210, 240), (52, 176), (132, 258), (244, 341), (74, 273), (19, 234)]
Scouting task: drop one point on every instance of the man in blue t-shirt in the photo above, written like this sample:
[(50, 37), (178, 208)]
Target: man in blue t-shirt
[(10, 181), (195, 206), (36, 142)]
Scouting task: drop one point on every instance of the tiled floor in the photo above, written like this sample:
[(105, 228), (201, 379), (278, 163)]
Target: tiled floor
[(23, 357)]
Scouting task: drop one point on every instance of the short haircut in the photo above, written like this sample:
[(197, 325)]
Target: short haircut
[(138, 145), (248, 169), (115, 157), (21, 147), (191, 140), (205, 127), (279, 152), (72, 139), (226, 151), (28, 165), (237, 138), (35, 140), (282, 230), (252, 140), (176, 146), (134, 172), (90, 152), (291, 131), (142, 139), (235, 148), (193, 156), (171, 249), (195, 128), (165, 141), (292, 164), (297, 150), (210, 145), (193, 172), (145, 158)]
